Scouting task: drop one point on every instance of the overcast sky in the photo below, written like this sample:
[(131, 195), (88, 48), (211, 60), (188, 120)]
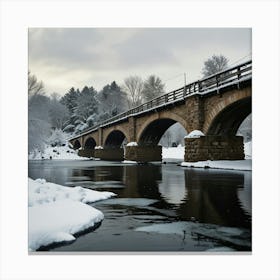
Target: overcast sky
[(74, 57)]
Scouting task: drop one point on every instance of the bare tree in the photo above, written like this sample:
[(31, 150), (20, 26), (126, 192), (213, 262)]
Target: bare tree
[(34, 87), (58, 112), (153, 87), (214, 64), (133, 87)]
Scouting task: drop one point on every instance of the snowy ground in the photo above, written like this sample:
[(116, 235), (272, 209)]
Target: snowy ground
[(63, 153), (56, 212), (176, 154), (221, 164), (173, 154)]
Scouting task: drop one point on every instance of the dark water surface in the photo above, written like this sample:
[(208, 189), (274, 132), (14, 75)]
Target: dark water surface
[(158, 207)]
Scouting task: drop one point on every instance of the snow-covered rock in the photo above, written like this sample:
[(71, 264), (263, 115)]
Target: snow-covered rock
[(195, 134), (57, 212)]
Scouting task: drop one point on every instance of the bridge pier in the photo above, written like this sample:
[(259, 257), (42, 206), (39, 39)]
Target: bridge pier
[(143, 153), (86, 153), (214, 147), (110, 153)]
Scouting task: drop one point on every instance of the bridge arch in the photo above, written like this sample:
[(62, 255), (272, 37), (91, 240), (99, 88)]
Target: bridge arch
[(77, 144), (226, 118), (90, 143), (114, 138), (153, 129)]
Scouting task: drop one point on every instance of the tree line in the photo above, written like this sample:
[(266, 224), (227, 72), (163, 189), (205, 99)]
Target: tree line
[(78, 109)]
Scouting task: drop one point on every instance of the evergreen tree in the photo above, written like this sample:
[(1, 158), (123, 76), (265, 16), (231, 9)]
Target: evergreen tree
[(112, 101), (70, 99), (86, 109)]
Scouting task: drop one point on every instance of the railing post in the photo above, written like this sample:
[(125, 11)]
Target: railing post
[(166, 98), (185, 92), (238, 76), (174, 97), (217, 82), (238, 73)]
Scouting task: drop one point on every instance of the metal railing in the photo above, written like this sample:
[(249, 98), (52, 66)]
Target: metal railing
[(233, 75)]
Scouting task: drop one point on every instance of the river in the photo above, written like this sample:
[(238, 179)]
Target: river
[(159, 207)]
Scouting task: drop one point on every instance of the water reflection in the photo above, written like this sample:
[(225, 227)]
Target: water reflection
[(245, 194), (171, 188), (213, 198), (208, 196)]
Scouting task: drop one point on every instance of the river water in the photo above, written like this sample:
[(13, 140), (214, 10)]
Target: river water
[(159, 207)]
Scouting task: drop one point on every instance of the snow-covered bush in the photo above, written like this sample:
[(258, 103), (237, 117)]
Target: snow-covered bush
[(57, 138)]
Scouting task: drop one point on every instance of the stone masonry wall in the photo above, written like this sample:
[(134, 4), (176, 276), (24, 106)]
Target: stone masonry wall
[(213, 147), (109, 154), (86, 153), (143, 153)]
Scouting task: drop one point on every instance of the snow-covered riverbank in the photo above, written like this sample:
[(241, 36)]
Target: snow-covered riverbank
[(169, 154), (61, 152), (56, 212), (245, 165)]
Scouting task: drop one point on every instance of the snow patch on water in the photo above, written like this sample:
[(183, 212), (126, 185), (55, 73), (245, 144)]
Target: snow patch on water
[(58, 221), (137, 202), (41, 192), (221, 249), (56, 212)]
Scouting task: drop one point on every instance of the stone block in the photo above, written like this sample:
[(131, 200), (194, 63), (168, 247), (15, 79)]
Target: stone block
[(110, 154), (86, 153), (143, 153), (214, 147)]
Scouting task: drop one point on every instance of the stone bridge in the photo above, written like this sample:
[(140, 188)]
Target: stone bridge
[(216, 105)]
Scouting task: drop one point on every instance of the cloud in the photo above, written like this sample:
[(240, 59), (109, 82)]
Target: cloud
[(66, 57)]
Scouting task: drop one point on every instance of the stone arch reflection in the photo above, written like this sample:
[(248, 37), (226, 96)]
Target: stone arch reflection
[(171, 188), (139, 185), (213, 197)]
